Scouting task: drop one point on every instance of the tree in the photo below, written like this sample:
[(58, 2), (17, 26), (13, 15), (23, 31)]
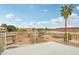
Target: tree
[(9, 27), (66, 11), (4, 25)]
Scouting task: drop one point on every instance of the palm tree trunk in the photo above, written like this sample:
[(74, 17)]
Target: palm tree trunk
[(65, 29)]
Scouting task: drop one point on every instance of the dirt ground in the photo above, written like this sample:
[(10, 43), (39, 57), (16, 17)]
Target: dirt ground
[(49, 38), (58, 40)]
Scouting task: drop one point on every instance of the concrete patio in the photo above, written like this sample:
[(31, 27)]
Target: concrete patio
[(48, 48)]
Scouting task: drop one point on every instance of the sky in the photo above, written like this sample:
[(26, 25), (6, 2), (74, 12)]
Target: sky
[(37, 15)]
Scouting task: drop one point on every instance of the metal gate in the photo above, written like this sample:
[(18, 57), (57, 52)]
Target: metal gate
[(24, 38)]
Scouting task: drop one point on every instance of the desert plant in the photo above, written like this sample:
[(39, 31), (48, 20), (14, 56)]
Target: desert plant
[(66, 11)]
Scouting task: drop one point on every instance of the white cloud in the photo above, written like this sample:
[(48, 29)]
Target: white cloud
[(38, 23), (13, 17), (54, 23), (57, 22), (17, 19), (74, 15), (77, 7), (42, 22), (10, 15)]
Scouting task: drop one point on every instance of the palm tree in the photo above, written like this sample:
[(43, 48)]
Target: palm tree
[(66, 11)]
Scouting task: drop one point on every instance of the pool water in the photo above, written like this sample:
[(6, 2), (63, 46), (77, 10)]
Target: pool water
[(58, 36)]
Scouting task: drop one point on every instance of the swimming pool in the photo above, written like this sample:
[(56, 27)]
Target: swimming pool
[(58, 36)]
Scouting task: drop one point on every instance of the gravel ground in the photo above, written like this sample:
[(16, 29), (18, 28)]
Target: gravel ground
[(48, 48)]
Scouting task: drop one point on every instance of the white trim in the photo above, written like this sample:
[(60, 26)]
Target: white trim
[(5, 40)]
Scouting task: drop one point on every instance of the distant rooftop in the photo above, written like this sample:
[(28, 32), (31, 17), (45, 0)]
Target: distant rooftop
[(69, 28), (3, 29)]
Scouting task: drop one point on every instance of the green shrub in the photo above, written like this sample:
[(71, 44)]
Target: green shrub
[(67, 35), (1, 48)]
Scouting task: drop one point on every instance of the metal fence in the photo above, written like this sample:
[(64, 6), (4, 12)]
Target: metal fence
[(21, 38), (74, 39), (14, 39)]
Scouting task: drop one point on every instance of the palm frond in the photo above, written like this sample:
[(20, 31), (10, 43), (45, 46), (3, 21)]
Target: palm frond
[(66, 10)]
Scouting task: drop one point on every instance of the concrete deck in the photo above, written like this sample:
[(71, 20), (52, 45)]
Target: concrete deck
[(48, 48)]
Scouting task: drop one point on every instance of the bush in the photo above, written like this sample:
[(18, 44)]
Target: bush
[(1, 48), (69, 36), (10, 28), (65, 37)]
